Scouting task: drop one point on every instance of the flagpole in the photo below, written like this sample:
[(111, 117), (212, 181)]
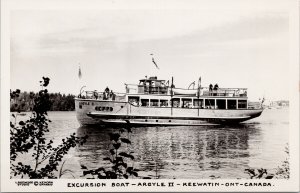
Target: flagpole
[(199, 87), (172, 97), (79, 77)]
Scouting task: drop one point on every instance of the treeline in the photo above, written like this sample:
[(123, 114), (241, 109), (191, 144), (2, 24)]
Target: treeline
[(59, 102)]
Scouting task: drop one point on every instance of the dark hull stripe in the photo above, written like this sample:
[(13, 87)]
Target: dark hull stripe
[(149, 124), (210, 119)]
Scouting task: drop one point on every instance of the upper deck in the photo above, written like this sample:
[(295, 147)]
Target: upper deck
[(153, 86)]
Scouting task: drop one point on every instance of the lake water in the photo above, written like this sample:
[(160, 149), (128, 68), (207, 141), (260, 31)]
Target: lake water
[(183, 152)]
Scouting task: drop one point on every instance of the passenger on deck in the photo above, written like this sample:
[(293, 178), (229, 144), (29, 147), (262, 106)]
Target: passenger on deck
[(111, 95), (104, 95), (95, 95), (216, 87), (210, 89)]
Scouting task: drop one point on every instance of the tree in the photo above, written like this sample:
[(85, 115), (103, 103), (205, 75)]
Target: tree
[(29, 136)]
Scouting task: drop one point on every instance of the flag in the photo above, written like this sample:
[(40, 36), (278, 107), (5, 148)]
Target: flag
[(154, 62), (79, 73), (263, 100)]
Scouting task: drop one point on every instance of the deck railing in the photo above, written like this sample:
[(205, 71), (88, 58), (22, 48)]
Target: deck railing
[(103, 96), (229, 92), (140, 89), (166, 90)]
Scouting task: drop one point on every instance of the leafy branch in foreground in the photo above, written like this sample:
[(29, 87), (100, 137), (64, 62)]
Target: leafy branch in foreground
[(120, 168), (282, 171), (29, 137)]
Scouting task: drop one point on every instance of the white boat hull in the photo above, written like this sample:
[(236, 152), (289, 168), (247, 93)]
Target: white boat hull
[(89, 111)]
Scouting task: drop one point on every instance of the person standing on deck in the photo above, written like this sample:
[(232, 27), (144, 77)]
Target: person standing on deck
[(111, 94), (210, 89), (95, 94), (216, 88)]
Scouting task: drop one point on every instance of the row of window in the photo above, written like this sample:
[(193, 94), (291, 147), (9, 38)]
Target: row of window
[(189, 103)]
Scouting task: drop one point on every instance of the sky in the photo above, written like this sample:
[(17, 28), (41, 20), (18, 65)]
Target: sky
[(248, 49)]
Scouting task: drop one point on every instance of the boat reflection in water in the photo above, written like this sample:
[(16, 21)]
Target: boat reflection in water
[(177, 152)]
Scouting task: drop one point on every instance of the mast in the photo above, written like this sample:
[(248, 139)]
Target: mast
[(172, 96), (199, 87)]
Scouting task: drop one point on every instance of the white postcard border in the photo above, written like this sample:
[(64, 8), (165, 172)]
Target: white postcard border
[(10, 185)]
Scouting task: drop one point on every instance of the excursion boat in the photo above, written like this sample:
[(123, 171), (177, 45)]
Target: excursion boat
[(154, 102)]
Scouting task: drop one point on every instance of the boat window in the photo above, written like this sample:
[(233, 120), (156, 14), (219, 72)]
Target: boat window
[(146, 87), (221, 104), (134, 100), (231, 104), (209, 103), (163, 103), (162, 89), (145, 102), (186, 103), (242, 104), (154, 102), (153, 90), (198, 103), (175, 102), (141, 89)]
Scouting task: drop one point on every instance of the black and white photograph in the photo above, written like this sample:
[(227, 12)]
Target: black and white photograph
[(150, 95)]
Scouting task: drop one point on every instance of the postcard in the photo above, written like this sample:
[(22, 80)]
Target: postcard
[(151, 96)]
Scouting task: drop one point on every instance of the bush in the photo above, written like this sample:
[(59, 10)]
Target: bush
[(120, 169), (29, 136)]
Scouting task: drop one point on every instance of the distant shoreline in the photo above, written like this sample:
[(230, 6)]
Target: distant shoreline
[(48, 111), (59, 102)]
